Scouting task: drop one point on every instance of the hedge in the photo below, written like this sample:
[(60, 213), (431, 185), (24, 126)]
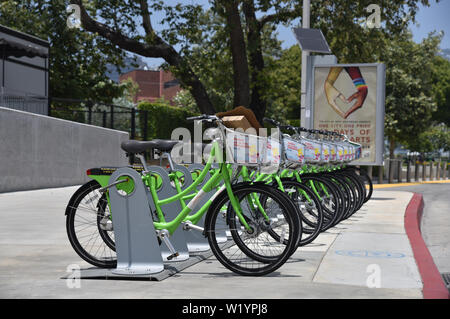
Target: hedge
[(163, 119)]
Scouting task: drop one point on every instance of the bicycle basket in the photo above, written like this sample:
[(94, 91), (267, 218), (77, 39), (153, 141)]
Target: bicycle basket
[(333, 151), (294, 151), (325, 155), (251, 150), (313, 150)]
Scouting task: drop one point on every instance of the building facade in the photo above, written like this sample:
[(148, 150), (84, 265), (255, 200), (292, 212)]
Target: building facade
[(24, 70), (153, 85)]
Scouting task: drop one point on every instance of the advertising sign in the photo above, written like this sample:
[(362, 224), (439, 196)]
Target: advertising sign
[(349, 99)]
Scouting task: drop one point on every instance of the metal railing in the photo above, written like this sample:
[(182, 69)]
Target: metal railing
[(117, 117), (106, 115), (400, 170), (21, 101)]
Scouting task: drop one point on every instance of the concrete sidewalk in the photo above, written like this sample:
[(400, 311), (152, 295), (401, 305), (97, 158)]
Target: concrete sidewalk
[(372, 245)]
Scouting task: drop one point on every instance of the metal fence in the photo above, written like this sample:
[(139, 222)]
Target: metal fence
[(127, 119), (399, 171), (23, 102), (112, 116)]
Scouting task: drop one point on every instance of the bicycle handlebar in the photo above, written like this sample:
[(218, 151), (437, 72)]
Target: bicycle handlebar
[(203, 117), (271, 121)]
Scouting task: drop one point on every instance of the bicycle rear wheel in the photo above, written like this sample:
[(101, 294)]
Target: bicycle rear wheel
[(309, 207), (89, 226)]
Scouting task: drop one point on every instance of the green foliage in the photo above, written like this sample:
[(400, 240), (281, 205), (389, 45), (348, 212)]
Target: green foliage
[(183, 99), (78, 60), (409, 89), (163, 119), (441, 89), (434, 138), (343, 25), (130, 90), (208, 54), (283, 89)]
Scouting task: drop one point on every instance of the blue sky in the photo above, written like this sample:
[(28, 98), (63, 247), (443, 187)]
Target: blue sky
[(435, 17)]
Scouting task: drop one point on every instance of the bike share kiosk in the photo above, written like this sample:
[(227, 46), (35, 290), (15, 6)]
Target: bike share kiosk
[(137, 247)]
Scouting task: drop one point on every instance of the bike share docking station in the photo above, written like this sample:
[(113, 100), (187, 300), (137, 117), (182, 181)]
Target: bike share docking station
[(142, 253)]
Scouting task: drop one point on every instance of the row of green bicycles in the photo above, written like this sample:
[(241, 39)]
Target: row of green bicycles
[(255, 199)]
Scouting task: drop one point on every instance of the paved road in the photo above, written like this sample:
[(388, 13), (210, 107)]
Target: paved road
[(35, 253), (436, 220)]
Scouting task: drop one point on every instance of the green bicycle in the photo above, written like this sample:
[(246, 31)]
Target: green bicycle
[(262, 223)]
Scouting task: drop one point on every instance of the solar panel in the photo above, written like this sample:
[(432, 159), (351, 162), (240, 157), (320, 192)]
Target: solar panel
[(312, 40)]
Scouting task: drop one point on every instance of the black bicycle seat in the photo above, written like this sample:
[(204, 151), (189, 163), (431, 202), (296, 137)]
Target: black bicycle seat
[(135, 147)]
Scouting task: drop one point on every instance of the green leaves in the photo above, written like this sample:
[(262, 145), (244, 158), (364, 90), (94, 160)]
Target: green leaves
[(409, 88), (78, 60)]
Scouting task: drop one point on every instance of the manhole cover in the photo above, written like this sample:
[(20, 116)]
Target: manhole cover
[(446, 277)]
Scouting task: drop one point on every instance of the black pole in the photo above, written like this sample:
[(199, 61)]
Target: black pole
[(145, 129), (133, 131), (112, 116), (390, 172), (133, 124), (408, 171), (89, 112), (416, 171), (104, 118)]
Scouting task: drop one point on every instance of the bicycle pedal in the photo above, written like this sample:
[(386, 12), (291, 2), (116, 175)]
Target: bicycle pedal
[(173, 256)]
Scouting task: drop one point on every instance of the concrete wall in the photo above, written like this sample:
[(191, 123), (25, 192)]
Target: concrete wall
[(38, 151)]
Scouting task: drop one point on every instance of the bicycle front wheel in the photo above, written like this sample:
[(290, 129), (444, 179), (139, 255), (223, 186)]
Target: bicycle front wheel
[(252, 249)]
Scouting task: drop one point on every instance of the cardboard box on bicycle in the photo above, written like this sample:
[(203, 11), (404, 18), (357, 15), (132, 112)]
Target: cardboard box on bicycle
[(236, 121)]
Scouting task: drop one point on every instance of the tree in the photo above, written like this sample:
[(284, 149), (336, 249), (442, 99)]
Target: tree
[(436, 137), (441, 89), (184, 100), (409, 87), (78, 60), (127, 24), (283, 88), (130, 90)]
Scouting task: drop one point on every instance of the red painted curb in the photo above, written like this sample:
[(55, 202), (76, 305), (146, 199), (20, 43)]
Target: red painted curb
[(433, 284)]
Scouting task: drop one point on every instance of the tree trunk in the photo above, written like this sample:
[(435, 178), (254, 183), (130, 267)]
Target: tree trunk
[(239, 54), (189, 79), (154, 48), (391, 148), (257, 104)]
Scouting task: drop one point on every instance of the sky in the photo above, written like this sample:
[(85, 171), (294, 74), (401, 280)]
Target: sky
[(435, 17)]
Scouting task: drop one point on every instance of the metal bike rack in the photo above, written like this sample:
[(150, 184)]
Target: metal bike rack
[(171, 211), (195, 240), (137, 248)]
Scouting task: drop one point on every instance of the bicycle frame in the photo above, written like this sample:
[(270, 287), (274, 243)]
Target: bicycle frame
[(219, 175)]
